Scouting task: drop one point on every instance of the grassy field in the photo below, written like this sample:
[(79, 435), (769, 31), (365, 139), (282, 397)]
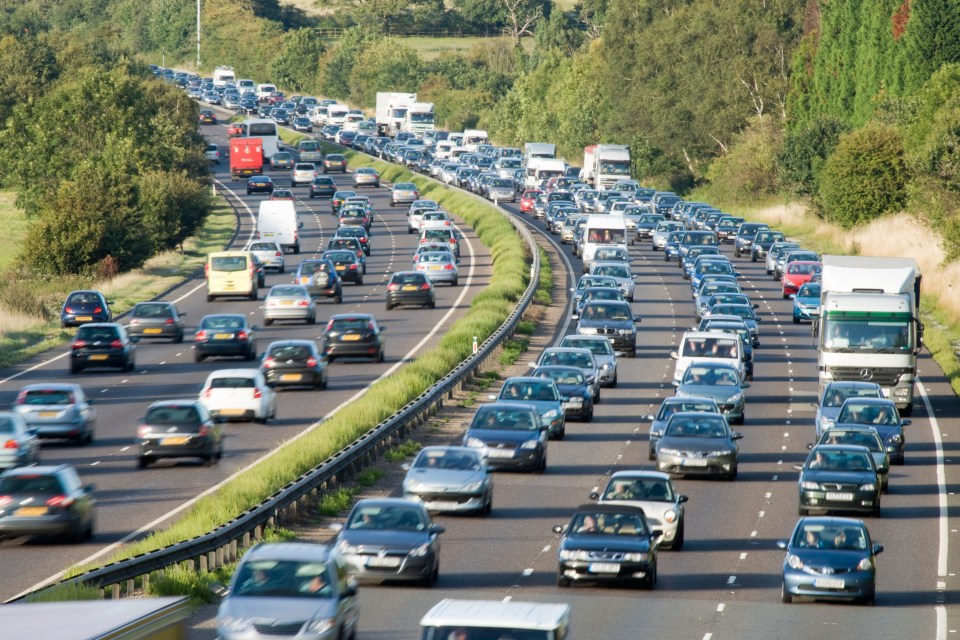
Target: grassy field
[(14, 225)]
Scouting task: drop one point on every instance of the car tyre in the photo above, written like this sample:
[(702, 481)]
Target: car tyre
[(268, 321), (678, 538), (360, 282), (733, 474), (589, 416), (144, 461), (803, 511), (198, 357), (796, 320), (312, 320), (562, 581), (785, 596), (876, 510), (75, 368), (613, 383), (389, 306), (178, 338)]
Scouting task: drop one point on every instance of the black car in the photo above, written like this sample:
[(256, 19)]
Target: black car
[(259, 184), (575, 391), (303, 125), (330, 131), (607, 542), (410, 288), (294, 362), (82, 307), (46, 501), (224, 335), (743, 243), (614, 320), (511, 436), (360, 233), (346, 264), (839, 477), (103, 344), (178, 429), (354, 335), (321, 279), (323, 187)]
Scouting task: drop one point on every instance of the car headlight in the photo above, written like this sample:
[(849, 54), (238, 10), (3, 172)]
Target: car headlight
[(794, 562), (807, 484), (234, 624), (587, 331), (530, 444), (626, 332), (719, 452), (607, 366), (635, 557), (895, 438), (670, 516), (827, 423), (420, 551), (473, 486), (346, 548), (476, 443), (902, 391), (413, 485), (865, 565), (736, 398), (550, 415), (870, 486), (669, 452), (681, 393), (573, 554), (320, 625)]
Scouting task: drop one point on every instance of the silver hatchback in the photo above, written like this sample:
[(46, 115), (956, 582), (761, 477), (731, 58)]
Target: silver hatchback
[(438, 266), (289, 302), (57, 410), (270, 254)]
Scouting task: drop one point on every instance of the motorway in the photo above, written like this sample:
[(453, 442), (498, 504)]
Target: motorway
[(725, 583), (132, 501)]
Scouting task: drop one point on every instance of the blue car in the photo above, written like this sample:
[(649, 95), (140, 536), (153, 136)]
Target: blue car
[(806, 303), (544, 395), (830, 559), (82, 307), (576, 393)]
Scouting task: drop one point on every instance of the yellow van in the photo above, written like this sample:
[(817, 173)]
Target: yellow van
[(231, 273)]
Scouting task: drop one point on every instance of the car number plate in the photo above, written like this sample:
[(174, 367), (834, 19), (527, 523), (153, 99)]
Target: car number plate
[(153, 330), (26, 512), (829, 583), (291, 377), (286, 302), (386, 561), (341, 267), (231, 412), (175, 441), (435, 267), (48, 414), (694, 462), (84, 318), (99, 356), (351, 338), (839, 497), (444, 506), (223, 336), (500, 453), (604, 567), (410, 287)]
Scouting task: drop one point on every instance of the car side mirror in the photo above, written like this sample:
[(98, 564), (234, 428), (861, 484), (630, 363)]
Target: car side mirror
[(781, 544), (674, 355), (491, 396), (810, 446), (637, 319), (109, 303), (877, 549), (798, 467), (676, 383), (906, 422), (736, 436), (594, 495), (558, 528), (349, 592), (531, 365), (682, 498), (648, 418), (756, 306), (32, 432), (437, 529), (405, 466), (89, 488)]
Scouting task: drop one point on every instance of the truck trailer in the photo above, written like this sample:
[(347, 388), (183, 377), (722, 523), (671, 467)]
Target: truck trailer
[(391, 111), (605, 164), (869, 328)]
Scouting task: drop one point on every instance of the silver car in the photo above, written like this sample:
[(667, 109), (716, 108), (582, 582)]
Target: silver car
[(698, 444), (721, 382), (438, 266), (289, 302), (773, 254), (366, 177), (670, 406), (662, 232), (653, 492), (834, 395), (501, 190), (303, 173), (603, 355), (573, 357), (290, 590), (270, 254), (620, 272), (57, 410), (449, 479), (21, 446)]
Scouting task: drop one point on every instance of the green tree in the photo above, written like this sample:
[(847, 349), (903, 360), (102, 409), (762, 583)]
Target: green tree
[(336, 65), (27, 65), (296, 65), (385, 65), (804, 151), (932, 38), (749, 170), (865, 176)]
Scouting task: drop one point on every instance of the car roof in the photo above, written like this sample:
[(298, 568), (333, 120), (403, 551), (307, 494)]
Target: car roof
[(298, 551), (352, 316), (173, 401), (52, 386), (39, 470), (233, 373), (640, 473)]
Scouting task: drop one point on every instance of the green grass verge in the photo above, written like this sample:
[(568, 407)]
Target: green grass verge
[(402, 451), (40, 297), (488, 311), (14, 224)]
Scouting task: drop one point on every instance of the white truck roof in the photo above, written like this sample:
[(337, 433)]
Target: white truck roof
[(497, 614), (851, 274)]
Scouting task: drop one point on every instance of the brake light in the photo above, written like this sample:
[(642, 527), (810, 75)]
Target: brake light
[(392, 287), (22, 397), (143, 430), (204, 431), (169, 321), (59, 501), (329, 326), (206, 270), (242, 335), (354, 267), (425, 286), (311, 361), (116, 344), (68, 309), (97, 309), (5, 500), (278, 254), (303, 303), (208, 393), (11, 444), (200, 336), (449, 267), (257, 394), (79, 344)]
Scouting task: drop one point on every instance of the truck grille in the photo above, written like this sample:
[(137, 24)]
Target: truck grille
[(883, 377)]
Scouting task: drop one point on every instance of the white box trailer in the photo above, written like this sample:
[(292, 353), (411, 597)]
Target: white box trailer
[(391, 111), (868, 328)]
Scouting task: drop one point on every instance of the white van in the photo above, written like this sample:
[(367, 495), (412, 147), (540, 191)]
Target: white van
[(264, 91), (705, 346), (603, 229), (337, 114), (443, 149), (483, 619), (277, 222)]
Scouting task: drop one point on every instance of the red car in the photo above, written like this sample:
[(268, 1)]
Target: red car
[(275, 97), (237, 129), (528, 199), (798, 274)]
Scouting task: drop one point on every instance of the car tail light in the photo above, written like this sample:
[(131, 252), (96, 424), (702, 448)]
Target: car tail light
[(116, 344), (206, 270), (353, 267), (242, 335), (97, 309), (79, 344), (423, 240), (279, 254), (22, 397), (200, 336), (425, 286), (370, 326), (68, 309), (169, 321), (329, 326), (59, 501), (203, 431), (5, 500), (303, 303), (208, 393), (311, 361), (257, 394), (449, 267), (392, 287), (11, 444), (143, 430)]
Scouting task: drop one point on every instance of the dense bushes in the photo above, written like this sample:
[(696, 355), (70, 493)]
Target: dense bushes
[(749, 170), (865, 177)]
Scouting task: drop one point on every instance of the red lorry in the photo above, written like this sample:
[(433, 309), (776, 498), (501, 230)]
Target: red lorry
[(246, 157)]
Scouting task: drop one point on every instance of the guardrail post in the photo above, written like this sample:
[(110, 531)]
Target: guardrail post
[(115, 591), (220, 558), (258, 533), (246, 539), (233, 550), (146, 582), (212, 560), (130, 587), (203, 564)]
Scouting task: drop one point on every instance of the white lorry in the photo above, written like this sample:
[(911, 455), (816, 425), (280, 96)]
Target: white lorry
[(391, 110), (869, 328), (337, 114), (419, 118), (277, 221), (223, 76), (605, 164), (472, 138), (538, 150), (603, 229), (541, 169)]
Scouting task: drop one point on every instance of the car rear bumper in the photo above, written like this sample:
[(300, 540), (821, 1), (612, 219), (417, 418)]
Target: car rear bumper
[(410, 297), (195, 447), (50, 525)]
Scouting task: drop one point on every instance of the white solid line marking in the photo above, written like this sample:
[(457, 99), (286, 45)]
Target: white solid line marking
[(941, 491), (753, 534), (942, 622), (528, 572), (124, 449), (95, 463), (761, 514), (507, 598), (721, 607), (545, 549), (707, 636)]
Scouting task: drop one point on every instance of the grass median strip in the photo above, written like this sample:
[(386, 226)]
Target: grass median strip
[(511, 269)]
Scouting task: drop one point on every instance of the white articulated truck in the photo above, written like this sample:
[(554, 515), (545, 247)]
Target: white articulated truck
[(391, 111), (538, 150), (869, 327), (419, 118), (605, 164)]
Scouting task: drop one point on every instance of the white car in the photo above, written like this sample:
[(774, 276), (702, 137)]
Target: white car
[(212, 154), (270, 254), (239, 394), (303, 173), (434, 219)]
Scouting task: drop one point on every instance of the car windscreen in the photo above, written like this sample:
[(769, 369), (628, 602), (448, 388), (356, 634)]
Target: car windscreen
[(500, 418), (704, 426), (615, 312), (528, 390), (446, 459), (229, 263), (171, 414)]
